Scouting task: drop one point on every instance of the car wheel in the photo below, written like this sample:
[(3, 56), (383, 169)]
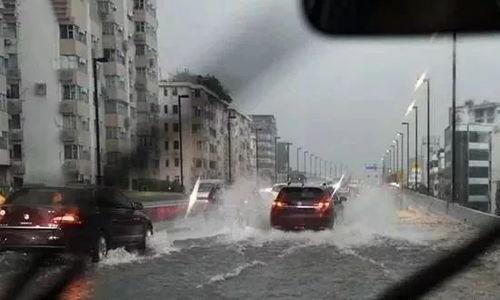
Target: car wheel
[(100, 250), (147, 234)]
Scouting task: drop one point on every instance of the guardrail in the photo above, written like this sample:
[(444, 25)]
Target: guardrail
[(453, 210)]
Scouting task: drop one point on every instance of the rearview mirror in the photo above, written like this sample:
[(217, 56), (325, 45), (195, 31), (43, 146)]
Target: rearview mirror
[(392, 17), (137, 205)]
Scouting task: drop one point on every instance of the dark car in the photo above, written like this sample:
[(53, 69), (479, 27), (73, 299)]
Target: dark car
[(84, 220), (298, 207)]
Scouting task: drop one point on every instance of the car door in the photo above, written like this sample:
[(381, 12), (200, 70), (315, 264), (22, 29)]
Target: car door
[(134, 220), (117, 214)]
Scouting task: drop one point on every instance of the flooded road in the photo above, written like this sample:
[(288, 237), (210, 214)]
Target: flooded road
[(377, 244)]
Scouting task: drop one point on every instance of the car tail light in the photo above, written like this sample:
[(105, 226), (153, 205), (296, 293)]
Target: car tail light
[(323, 204), (279, 202), (67, 217)]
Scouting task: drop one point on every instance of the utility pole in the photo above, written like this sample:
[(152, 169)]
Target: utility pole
[(453, 122), (276, 138), (407, 153), (298, 149), (180, 138), (428, 136), (305, 163), (416, 145), (97, 126), (288, 161)]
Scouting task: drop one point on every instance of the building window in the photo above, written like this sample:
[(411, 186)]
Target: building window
[(197, 111), (113, 158), (140, 49), (166, 145), (177, 179), (165, 109), (67, 31), (176, 162), (167, 163), (165, 92), (199, 145), (69, 122), (198, 163), (195, 128), (176, 127), (174, 91), (12, 61), (16, 152), (479, 172), (70, 152), (175, 109), (490, 115), (213, 148), (15, 121), (140, 26), (165, 127), (213, 133), (138, 4), (167, 178), (197, 93), (69, 92), (13, 91), (479, 116), (479, 137), (112, 133), (478, 189), (213, 164), (479, 154), (176, 145)]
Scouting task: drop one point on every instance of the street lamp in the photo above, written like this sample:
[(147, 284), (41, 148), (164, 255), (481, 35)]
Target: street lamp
[(316, 166), (298, 149), (229, 117), (288, 144), (425, 79), (311, 164), (98, 176), (276, 138), (393, 157), (416, 144), (402, 150), (407, 152), (320, 162), (396, 157), (180, 138), (305, 164)]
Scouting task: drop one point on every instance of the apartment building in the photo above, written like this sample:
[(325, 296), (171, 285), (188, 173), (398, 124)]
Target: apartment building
[(50, 87), (204, 133), (264, 127), (242, 146)]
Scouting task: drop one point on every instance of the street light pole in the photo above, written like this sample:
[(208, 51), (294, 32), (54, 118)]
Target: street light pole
[(407, 153), (298, 149), (416, 145), (428, 136), (305, 163), (97, 126), (229, 117), (320, 160), (180, 138), (311, 164), (276, 138), (453, 121), (316, 166), (288, 161), (402, 150)]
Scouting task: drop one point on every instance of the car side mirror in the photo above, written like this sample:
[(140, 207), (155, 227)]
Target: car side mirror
[(137, 205)]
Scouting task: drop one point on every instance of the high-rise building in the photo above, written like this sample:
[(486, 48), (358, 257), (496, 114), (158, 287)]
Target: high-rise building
[(50, 88), (4, 116), (204, 133), (265, 129), (242, 146)]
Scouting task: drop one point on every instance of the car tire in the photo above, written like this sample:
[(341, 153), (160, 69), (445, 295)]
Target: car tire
[(147, 233), (100, 249)]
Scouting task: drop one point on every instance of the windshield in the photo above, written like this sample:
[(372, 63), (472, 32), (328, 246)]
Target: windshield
[(199, 121)]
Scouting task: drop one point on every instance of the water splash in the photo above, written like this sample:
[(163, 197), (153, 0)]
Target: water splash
[(193, 197)]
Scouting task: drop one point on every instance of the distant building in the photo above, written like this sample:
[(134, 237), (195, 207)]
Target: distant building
[(266, 131), (282, 161), (242, 146)]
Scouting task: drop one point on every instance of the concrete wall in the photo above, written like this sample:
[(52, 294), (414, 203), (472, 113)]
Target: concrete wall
[(459, 213)]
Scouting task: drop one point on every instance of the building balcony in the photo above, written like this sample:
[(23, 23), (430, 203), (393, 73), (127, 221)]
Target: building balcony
[(114, 68), (74, 107), (17, 167), (116, 93), (118, 145), (4, 157), (142, 61), (106, 7), (116, 120), (75, 76), (13, 74), (146, 82), (14, 107), (72, 47), (112, 41), (75, 136), (80, 166), (146, 15), (16, 135), (146, 38)]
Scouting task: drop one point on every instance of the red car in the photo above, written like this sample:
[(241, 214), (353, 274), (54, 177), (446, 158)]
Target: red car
[(298, 207)]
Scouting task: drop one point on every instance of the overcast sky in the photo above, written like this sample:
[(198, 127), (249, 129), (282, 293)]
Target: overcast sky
[(342, 99)]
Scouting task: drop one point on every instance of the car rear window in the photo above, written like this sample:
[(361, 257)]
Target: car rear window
[(295, 194), (44, 197)]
